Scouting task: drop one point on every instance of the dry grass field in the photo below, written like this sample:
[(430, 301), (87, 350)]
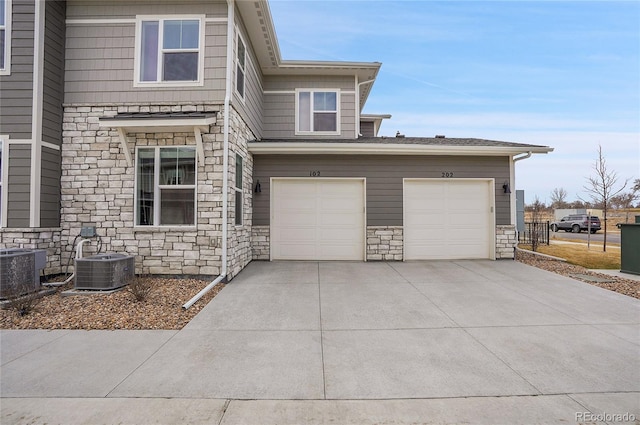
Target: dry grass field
[(581, 255)]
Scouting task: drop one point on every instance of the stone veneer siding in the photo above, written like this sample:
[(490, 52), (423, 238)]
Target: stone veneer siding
[(506, 241), (385, 243), (98, 189), (260, 248), (36, 238)]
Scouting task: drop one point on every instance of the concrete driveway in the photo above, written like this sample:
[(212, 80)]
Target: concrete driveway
[(306, 342)]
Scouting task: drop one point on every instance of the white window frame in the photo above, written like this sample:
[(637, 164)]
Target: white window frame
[(157, 187), (137, 82), (240, 40), (7, 38), (239, 219), (299, 132)]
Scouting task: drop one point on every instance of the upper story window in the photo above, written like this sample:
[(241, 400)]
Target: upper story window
[(170, 51), (317, 111), (5, 37), (166, 186), (241, 58)]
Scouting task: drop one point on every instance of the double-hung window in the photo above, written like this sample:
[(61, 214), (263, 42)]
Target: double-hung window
[(317, 111), (5, 37), (166, 186), (238, 191), (170, 51), (241, 59)]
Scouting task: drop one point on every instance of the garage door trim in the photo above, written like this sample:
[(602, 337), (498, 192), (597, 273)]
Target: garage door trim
[(491, 221), (272, 195)]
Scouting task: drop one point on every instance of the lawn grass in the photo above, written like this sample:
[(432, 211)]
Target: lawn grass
[(578, 254)]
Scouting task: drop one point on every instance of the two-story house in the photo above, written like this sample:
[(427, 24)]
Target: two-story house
[(180, 133)]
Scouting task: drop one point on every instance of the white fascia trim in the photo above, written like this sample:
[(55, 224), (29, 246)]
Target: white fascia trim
[(100, 21), (124, 21), (8, 18), (258, 148)]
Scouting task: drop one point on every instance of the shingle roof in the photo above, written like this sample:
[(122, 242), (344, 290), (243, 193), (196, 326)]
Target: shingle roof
[(427, 141)]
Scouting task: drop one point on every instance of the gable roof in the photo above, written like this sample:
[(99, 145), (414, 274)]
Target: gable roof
[(259, 25), (396, 146)]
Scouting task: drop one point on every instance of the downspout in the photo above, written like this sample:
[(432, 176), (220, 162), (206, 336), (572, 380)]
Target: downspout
[(525, 156), (225, 158), (512, 177)]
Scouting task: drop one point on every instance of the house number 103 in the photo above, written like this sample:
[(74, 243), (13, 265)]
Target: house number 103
[(314, 173)]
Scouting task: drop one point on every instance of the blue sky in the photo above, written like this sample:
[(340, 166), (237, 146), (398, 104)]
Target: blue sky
[(564, 74)]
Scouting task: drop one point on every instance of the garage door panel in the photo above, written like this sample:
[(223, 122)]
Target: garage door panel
[(327, 224), (447, 219)]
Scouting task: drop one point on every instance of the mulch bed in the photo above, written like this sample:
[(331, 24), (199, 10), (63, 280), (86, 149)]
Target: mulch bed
[(162, 309), (621, 285)]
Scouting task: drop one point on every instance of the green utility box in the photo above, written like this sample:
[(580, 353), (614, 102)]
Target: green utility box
[(630, 247)]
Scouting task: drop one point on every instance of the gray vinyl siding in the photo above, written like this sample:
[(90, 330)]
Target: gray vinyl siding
[(279, 104), (50, 188), (251, 107), (53, 84), (18, 184), (367, 129), (118, 9), (100, 57), (16, 89), (384, 176)]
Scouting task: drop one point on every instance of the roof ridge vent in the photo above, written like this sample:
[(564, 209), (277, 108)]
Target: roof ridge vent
[(440, 136), (399, 135)]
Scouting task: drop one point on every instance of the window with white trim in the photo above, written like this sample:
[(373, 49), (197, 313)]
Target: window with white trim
[(169, 50), (238, 191), (241, 58), (317, 111), (166, 186), (5, 37)]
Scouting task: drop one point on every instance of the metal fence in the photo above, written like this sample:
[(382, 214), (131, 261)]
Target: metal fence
[(535, 231)]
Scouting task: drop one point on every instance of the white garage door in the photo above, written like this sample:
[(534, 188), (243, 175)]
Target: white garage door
[(317, 219), (448, 219)]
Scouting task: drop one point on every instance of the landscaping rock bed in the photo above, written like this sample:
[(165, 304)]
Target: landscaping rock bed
[(621, 285), (162, 309)]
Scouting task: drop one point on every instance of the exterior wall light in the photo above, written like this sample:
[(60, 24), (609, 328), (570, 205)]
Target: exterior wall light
[(506, 187)]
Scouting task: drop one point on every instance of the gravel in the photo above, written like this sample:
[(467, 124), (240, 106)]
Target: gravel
[(621, 285), (163, 307)]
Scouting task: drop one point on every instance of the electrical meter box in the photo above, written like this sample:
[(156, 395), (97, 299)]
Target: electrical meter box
[(88, 231)]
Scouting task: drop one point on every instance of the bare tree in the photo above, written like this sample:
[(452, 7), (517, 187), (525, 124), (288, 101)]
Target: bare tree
[(602, 187), (625, 200), (559, 198)]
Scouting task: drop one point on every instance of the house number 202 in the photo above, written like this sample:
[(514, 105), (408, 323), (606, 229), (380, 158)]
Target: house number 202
[(314, 173), (447, 174)]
